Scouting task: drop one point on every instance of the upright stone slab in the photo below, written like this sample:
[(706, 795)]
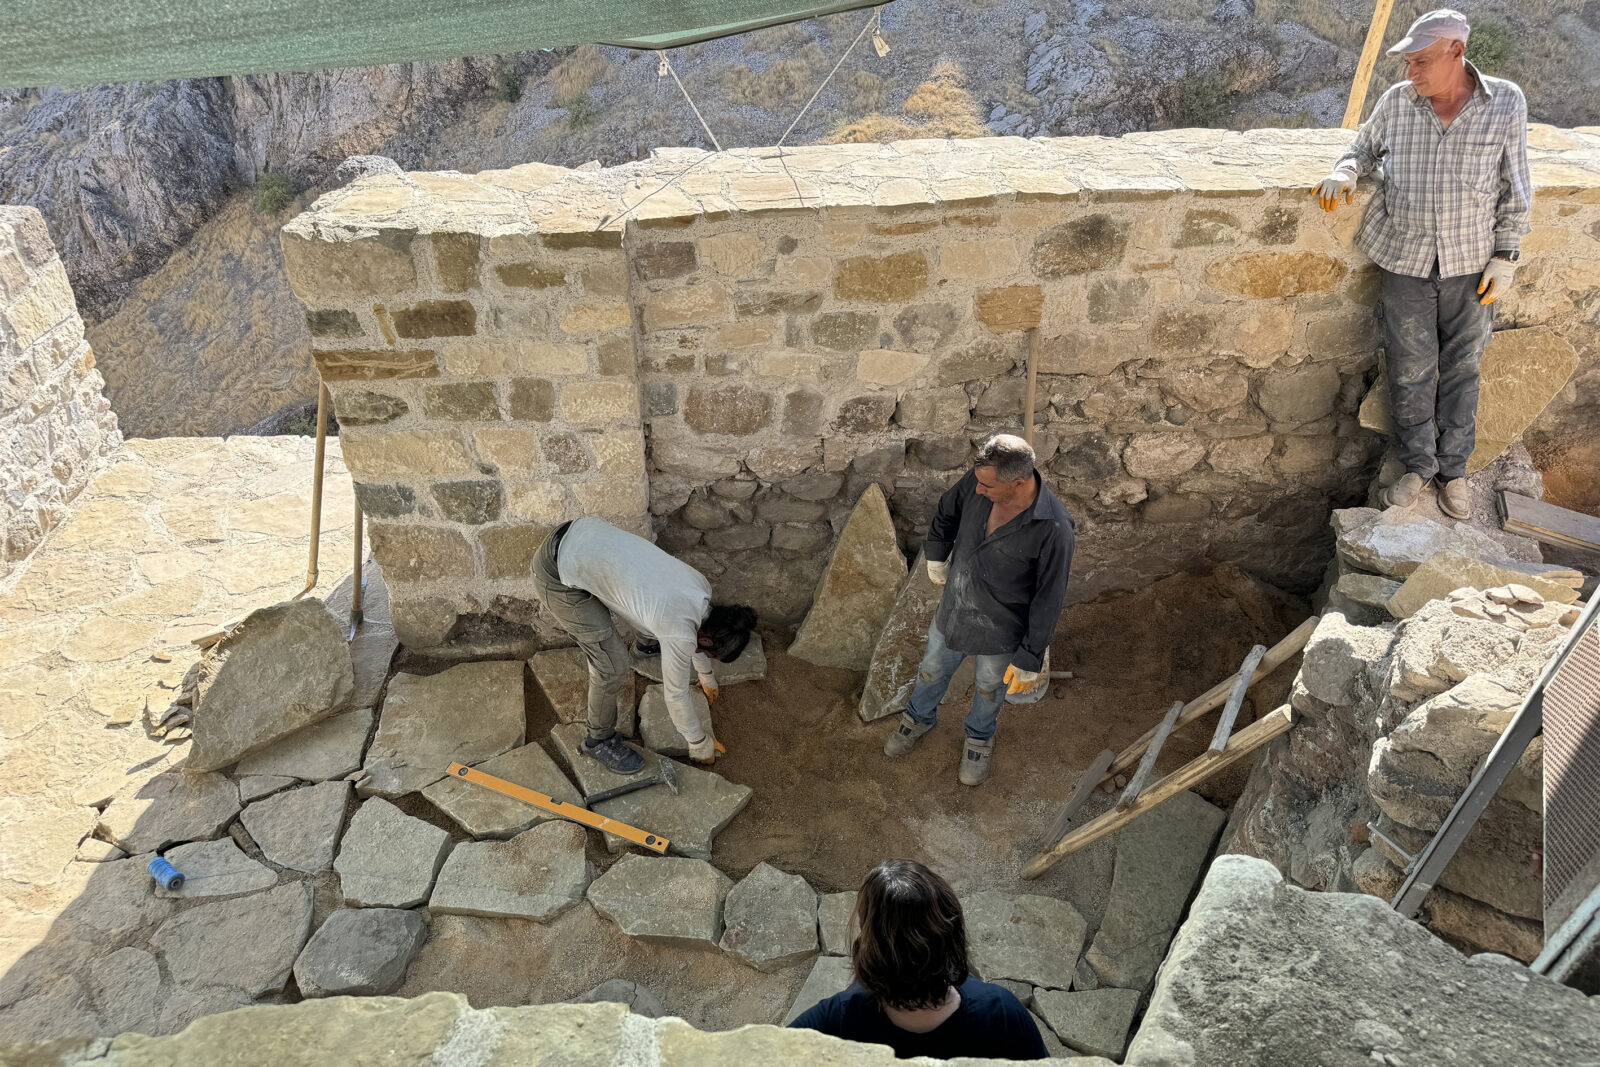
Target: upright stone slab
[(284, 667), (247, 943), (537, 875), (690, 821), (299, 829), (1095, 1023), (1024, 937), (1393, 544), (637, 999), (562, 675), (171, 808), (1363, 598), (657, 731), (328, 749), (892, 674), (833, 922), (215, 869), (465, 714), (770, 919), (749, 666), (360, 952), (1160, 857), (1444, 572), (373, 647), (662, 900), (829, 976), (389, 859), (857, 591), (483, 812)]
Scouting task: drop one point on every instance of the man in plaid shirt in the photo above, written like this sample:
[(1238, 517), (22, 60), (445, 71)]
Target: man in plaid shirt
[(1451, 146)]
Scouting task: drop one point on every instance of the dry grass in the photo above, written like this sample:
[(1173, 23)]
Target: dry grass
[(869, 128), (790, 37), (867, 91), (943, 106), (786, 83), (580, 72)]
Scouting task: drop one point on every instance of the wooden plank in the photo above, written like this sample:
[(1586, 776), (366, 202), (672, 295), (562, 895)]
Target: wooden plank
[(1033, 378), (1136, 783), (1369, 59), (1240, 745), (1230, 710), (1218, 693), (583, 816), (1086, 785), (1548, 523)]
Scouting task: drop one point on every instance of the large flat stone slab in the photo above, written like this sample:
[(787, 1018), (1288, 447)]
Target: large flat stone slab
[(360, 952), (258, 786), (299, 829), (690, 821), (1392, 544), (1023, 937), (770, 919), (282, 668), (328, 749), (389, 859), (562, 677), (656, 729), (1444, 572), (830, 976), (663, 900), (1363, 598), (248, 943), (169, 809), (1379, 984), (483, 812), (538, 874), (373, 647), (857, 590), (465, 714), (833, 922), (1095, 1023), (749, 666), (215, 869), (1160, 857), (128, 989), (892, 673)]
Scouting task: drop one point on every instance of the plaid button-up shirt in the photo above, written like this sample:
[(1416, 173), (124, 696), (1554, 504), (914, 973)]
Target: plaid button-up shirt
[(1453, 196)]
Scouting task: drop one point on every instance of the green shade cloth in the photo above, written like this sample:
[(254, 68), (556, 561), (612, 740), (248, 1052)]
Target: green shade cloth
[(81, 42)]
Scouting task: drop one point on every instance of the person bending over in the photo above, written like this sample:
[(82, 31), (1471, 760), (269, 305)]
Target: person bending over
[(585, 571), (913, 990)]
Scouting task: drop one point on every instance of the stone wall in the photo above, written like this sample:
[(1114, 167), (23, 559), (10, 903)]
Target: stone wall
[(728, 360), (55, 422)]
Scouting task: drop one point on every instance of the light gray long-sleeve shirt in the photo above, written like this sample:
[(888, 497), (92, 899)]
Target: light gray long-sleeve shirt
[(658, 595)]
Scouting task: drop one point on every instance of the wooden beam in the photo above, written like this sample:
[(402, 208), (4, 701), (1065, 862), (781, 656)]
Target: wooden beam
[(1032, 388), (1230, 710), (1136, 783), (1086, 785), (1548, 523), (1218, 693), (1369, 59), (1240, 745)]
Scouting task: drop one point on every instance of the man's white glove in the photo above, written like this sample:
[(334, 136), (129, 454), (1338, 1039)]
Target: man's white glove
[(1496, 280), (1341, 183), (706, 749), (938, 571)]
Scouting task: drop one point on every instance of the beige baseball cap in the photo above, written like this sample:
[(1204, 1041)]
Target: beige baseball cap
[(1443, 24)]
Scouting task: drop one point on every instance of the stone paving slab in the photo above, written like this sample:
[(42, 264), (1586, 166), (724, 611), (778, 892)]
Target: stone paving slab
[(656, 728), (562, 678), (1023, 937), (749, 666), (770, 919), (170, 809), (465, 714), (388, 858), (247, 943), (537, 875), (833, 922), (215, 869), (261, 786), (482, 812), (360, 952), (331, 748), (829, 976), (663, 900), (373, 647), (299, 829), (1095, 1023)]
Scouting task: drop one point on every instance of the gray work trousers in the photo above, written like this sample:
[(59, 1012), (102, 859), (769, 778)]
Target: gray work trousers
[(1434, 333), (589, 623)]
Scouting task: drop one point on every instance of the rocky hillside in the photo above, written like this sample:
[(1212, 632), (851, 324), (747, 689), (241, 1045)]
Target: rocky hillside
[(165, 198)]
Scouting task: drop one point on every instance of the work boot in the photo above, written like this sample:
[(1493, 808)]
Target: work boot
[(646, 647), (975, 761), (1454, 500), (613, 754), (1402, 494), (905, 736)]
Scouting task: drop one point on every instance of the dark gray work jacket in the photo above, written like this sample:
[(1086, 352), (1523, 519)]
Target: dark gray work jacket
[(1005, 589)]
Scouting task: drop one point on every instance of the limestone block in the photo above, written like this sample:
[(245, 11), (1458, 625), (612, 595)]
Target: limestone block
[(421, 553), (470, 502), (730, 410), (1015, 307), (389, 859), (461, 401), (1077, 247), (1162, 455), (1339, 657), (1203, 226), (436, 318), (1240, 455), (247, 943), (882, 366), (695, 305), (1272, 275), (942, 410), (1095, 1023), (485, 813), (664, 259), (599, 401), (539, 502), (360, 953), (770, 919), (532, 399), (844, 331), (663, 900), (350, 365), (1363, 599), (323, 270), (1301, 395), (467, 713), (1445, 571), (857, 590), (898, 276), (1024, 937), (330, 748), (170, 808), (283, 668), (739, 255), (983, 358), (215, 869), (537, 875), (373, 455), (1437, 648), (1392, 544), (1259, 337), (830, 975), (299, 829), (892, 671), (508, 550), (833, 921), (978, 260), (592, 315)]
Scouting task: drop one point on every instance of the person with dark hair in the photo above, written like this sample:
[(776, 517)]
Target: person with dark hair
[(913, 990), (585, 571), (1001, 545)]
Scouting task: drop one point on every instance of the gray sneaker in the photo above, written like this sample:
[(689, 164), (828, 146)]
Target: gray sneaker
[(975, 761), (905, 736), (1403, 493)]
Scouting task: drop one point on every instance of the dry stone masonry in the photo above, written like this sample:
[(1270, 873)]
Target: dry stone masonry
[(727, 362)]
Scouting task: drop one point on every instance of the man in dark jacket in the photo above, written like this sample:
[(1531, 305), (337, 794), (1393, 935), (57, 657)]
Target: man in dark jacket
[(1001, 545)]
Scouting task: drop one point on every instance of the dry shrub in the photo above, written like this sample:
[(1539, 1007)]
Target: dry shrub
[(944, 106), (879, 128), (786, 83), (948, 72), (579, 72), (789, 37), (868, 92)]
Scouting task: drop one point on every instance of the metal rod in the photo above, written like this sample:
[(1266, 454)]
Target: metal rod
[(323, 403), (358, 579)]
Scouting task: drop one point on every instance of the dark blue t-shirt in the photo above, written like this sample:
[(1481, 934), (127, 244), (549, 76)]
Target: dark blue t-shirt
[(990, 1022)]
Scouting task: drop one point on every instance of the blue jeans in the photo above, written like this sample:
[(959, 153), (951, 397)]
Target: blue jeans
[(939, 664)]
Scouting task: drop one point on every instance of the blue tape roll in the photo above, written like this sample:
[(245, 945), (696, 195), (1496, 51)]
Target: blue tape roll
[(166, 874)]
